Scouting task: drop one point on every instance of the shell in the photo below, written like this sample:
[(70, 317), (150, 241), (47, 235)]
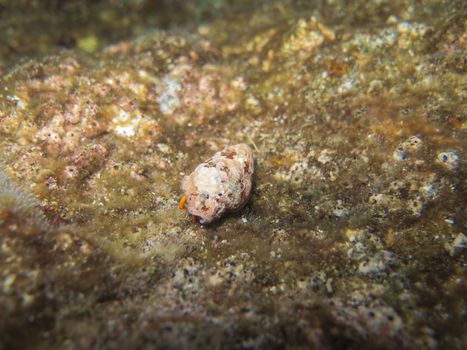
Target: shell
[(220, 184)]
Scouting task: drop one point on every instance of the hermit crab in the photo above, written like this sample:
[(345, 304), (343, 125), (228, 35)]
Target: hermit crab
[(220, 184)]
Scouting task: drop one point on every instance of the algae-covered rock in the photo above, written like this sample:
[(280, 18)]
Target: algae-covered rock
[(353, 236)]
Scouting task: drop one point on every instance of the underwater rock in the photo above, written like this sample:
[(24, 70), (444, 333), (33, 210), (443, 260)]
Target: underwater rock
[(354, 238), (221, 183), (16, 201)]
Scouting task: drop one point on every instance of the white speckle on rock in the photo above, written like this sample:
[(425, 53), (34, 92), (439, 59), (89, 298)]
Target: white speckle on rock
[(448, 159), (324, 157), (411, 145), (347, 85), (125, 124), (459, 244), (379, 262), (164, 148), (340, 210), (168, 99)]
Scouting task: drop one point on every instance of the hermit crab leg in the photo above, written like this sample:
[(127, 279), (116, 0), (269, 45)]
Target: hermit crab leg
[(181, 204)]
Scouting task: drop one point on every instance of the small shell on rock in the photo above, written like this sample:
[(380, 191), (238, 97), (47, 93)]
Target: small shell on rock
[(220, 184)]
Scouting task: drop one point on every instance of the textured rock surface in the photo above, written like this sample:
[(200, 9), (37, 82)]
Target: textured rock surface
[(354, 233)]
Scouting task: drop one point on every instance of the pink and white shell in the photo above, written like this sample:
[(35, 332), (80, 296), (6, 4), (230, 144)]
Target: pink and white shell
[(220, 184)]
